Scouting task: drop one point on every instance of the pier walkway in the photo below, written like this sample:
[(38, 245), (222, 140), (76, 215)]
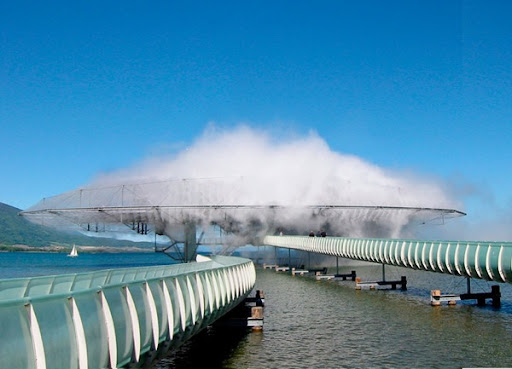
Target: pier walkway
[(115, 318), (483, 260)]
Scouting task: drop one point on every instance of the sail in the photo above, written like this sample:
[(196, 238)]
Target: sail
[(73, 252)]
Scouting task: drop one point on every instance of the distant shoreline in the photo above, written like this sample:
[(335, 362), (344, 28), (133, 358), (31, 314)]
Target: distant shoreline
[(66, 249)]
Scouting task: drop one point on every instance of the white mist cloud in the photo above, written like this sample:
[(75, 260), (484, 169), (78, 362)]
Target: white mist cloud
[(248, 166), (285, 172)]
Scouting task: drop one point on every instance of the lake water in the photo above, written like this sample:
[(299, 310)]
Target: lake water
[(32, 264), (312, 324), (320, 324)]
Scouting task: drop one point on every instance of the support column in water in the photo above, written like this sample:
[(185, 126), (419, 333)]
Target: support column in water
[(190, 247)]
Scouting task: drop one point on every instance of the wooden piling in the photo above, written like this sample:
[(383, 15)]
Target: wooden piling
[(433, 300)]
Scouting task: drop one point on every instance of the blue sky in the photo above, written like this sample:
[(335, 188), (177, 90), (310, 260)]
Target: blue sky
[(91, 87)]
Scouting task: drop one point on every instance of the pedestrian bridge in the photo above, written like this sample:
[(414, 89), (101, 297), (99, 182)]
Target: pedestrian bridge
[(114, 318), (484, 260)]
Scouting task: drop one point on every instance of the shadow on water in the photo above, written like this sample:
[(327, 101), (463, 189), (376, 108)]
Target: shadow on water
[(211, 348)]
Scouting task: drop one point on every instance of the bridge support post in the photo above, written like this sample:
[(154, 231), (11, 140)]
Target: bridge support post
[(290, 259), (190, 248)]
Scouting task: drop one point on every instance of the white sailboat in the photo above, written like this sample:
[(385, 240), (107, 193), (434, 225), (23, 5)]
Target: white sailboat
[(74, 252)]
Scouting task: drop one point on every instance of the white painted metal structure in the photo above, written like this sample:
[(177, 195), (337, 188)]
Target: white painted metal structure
[(112, 318), (169, 207), (484, 260)]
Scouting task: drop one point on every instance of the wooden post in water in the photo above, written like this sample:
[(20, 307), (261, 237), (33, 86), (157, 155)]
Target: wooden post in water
[(433, 294), (257, 314), (403, 279), (496, 296)]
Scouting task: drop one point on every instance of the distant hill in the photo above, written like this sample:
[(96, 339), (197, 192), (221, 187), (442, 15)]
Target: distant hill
[(16, 230)]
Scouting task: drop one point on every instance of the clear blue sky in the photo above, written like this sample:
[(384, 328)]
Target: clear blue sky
[(94, 86)]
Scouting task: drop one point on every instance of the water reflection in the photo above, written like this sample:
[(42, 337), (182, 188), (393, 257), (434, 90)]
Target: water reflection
[(209, 349)]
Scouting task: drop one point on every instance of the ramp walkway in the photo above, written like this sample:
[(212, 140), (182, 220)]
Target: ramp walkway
[(483, 260), (115, 318)]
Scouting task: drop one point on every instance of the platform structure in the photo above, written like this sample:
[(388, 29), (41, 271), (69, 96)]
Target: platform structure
[(182, 208)]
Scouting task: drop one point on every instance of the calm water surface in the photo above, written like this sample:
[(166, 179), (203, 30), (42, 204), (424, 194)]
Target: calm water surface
[(311, 324), (32, 264)]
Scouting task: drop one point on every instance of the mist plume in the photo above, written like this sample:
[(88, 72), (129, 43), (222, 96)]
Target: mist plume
[(250, 167)]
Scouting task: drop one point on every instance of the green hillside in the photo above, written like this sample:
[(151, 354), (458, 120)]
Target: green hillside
[(16, 230)]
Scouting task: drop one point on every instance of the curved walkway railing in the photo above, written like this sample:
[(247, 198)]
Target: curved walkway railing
[(111, 318), (483, 260)]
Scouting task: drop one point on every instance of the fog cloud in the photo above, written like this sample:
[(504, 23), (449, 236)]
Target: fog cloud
[(250, 167)]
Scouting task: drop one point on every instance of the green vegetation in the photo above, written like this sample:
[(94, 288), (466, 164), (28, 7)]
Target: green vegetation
[(16, 230), (8, 248)]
